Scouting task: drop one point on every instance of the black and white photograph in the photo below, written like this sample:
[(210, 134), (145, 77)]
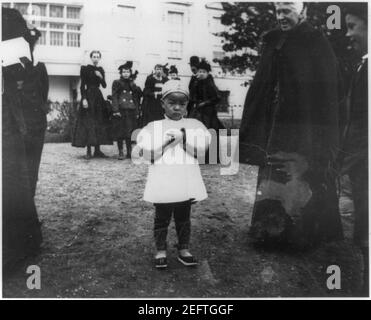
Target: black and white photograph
[(184, 150)]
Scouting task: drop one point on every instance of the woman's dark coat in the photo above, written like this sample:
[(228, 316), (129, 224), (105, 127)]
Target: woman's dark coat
[(126, 97), (204, 97), (191, 86)]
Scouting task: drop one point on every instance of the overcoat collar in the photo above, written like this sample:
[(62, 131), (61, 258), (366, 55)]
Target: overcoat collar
[(304, 29)]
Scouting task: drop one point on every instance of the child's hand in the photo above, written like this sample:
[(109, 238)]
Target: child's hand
[(175, 135), (201, 105), (85, 103), (98, 74)]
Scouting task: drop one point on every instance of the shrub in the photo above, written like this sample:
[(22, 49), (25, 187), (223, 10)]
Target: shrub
[(61, 121)]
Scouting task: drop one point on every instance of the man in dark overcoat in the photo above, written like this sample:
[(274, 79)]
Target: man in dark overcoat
[(25, 90), (355, 142), (290, 129)]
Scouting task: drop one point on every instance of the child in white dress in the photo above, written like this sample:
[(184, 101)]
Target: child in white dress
[(174, 181)]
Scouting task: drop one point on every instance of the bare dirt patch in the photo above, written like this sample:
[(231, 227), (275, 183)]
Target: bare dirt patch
[(98, 239)]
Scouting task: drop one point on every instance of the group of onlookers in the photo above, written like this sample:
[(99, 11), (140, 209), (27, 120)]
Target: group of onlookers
[(101, 121)]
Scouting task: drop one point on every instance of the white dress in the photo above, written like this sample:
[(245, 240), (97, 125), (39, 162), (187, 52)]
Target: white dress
[(176, 176)]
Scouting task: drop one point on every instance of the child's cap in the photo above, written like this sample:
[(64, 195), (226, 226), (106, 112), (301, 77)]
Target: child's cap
[(172, 86)]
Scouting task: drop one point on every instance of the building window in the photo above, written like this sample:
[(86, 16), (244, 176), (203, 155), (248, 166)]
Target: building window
[(53, 25), (73, 35), (21, 7), (56, 11), (53, 21), (73, 39), (73, 27), (126, 21), (56, 38), (42, 39), (73, 13), (219, 55), (127, 12), (43, 30), (39, 9), (175, 50), (216, 25), (175, 37)]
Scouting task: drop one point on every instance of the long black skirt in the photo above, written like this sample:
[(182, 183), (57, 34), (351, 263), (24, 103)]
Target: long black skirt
[(92, 125), (208, 116), (151, 111)]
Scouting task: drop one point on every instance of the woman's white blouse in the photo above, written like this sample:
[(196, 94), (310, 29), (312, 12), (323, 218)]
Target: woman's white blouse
[(176, 176)]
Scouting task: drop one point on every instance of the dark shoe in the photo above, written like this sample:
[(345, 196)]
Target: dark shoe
[(121, 155), (88, 156), (188, 261), (161, 263), (99, 154)]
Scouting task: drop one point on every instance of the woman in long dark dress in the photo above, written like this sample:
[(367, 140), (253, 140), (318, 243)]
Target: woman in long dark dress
[(152, 108), (194, 61), (92, 126), (25, 90), (126, 97), (205, 96)]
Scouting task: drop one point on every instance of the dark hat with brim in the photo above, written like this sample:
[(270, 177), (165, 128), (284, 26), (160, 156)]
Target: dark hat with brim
[(15, 26), (194, 61)]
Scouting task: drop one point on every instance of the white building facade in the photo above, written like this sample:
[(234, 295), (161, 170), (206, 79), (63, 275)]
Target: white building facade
[(144, 31)]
